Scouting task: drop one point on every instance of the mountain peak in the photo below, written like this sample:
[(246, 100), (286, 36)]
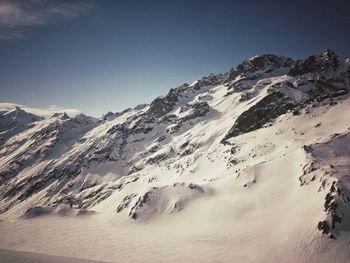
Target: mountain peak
[(16, 121), (325, 61), (15, 112), (62, 116), (328, 53), (18, 114), (261, 63)]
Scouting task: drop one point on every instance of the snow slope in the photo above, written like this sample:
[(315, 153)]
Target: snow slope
[(250, 166)]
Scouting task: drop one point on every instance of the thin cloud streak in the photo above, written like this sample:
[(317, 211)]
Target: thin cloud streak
[(19, 16), (45, 112)]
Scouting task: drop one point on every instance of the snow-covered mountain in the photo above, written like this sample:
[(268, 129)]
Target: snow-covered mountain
[(259, 157), (15, 121)]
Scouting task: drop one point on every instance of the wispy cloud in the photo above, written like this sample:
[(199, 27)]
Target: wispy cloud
[(19, 16), (45, 112)]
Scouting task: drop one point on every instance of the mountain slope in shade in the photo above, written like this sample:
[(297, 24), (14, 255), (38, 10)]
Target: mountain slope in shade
[(228, 167), (15, 121)]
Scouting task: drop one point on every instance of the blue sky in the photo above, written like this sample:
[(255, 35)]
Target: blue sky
[(100, 56)]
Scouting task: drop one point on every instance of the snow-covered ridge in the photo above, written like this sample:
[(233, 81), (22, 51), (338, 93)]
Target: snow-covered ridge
[(223, 137), (15, 121)]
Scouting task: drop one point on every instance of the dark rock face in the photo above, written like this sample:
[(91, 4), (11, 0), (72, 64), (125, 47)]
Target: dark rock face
[(139, 203), (110, 116), (188, 148), (163, 105), (333, 199), (143, 124), (126, 202), (307, 148), (333, 180), (211, 80), (157, 158), (326, 89), (323, 227), (198, 109), (322, 87), (327, 60), (246, 96), (62, 116), (141, 106), (265, 63), (269, 108)]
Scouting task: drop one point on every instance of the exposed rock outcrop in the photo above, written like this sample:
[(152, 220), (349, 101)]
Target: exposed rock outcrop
[(266, 110)]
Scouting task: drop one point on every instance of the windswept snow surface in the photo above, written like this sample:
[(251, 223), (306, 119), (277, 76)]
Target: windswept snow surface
[(8, 256), (247, 166)]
